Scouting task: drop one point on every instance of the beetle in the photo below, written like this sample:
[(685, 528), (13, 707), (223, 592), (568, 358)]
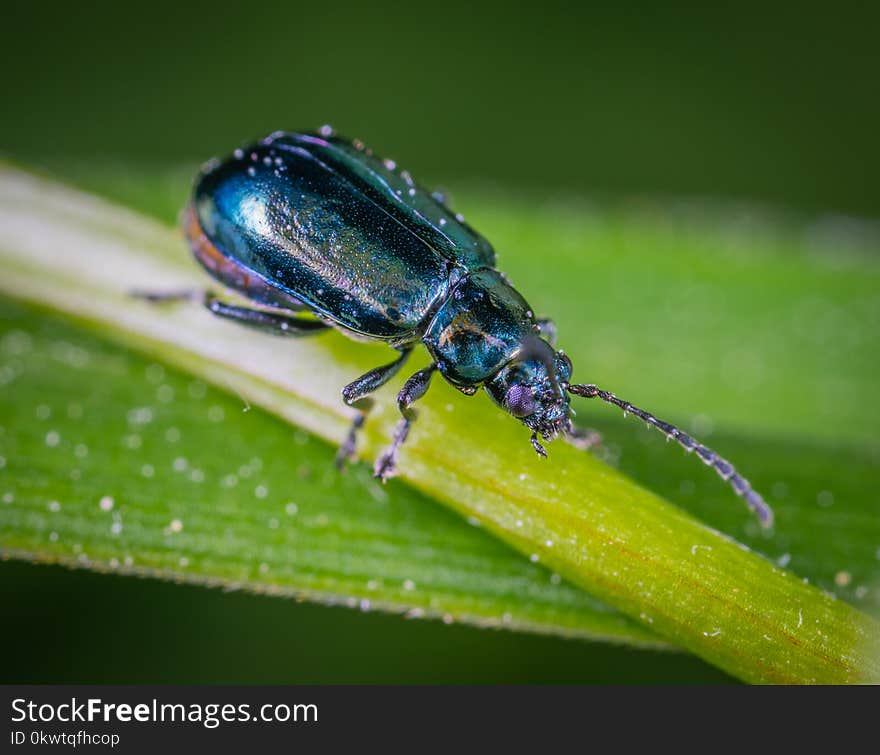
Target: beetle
[(313, 224)]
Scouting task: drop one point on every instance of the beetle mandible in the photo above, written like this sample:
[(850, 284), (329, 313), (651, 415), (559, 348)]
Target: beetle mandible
[(312, 223)]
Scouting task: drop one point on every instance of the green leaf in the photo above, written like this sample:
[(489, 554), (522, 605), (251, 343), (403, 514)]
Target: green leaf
[(148, 471), (250, 516), (645, 557)]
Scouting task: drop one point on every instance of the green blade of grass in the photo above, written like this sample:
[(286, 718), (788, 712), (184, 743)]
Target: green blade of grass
[(113, 462), (643, 556), (757, 324)]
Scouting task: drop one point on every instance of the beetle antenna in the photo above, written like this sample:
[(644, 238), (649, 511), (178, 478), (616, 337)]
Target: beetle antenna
[(724, 468), (534, 348)]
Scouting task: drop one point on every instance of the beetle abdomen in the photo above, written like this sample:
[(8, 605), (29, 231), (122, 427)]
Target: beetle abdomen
[(289, 218), (231, 273), (441, 229)]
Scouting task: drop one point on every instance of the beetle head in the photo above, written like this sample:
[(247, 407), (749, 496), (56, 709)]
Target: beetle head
[(531, 387)]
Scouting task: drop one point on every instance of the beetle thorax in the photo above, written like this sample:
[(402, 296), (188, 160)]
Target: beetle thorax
[(479, 328)]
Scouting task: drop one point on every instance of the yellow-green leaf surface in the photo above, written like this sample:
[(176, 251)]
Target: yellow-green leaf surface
[(152, 472), (577, 516)]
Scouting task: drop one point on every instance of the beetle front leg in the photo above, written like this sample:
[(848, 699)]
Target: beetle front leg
[(356, 393), (536, 444), (412, 391)]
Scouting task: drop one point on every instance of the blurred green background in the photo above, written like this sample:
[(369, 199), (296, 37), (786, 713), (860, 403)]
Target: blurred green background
[(774, 102), (776, 105)]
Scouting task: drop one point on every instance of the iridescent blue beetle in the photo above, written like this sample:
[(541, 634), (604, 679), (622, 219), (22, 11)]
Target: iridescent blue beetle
[(312, 223)]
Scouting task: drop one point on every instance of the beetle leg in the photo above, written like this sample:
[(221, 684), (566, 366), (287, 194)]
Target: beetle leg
[(159, 297), (413, 389), (272, 322), (536, 444), (347, 449), (548, 330), (355, 395)]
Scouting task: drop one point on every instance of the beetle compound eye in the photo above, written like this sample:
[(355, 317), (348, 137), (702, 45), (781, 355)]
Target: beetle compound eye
[(520, 400)]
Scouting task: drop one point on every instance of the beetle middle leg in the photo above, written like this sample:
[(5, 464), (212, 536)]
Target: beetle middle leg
[(414, 388), (356, 395)]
